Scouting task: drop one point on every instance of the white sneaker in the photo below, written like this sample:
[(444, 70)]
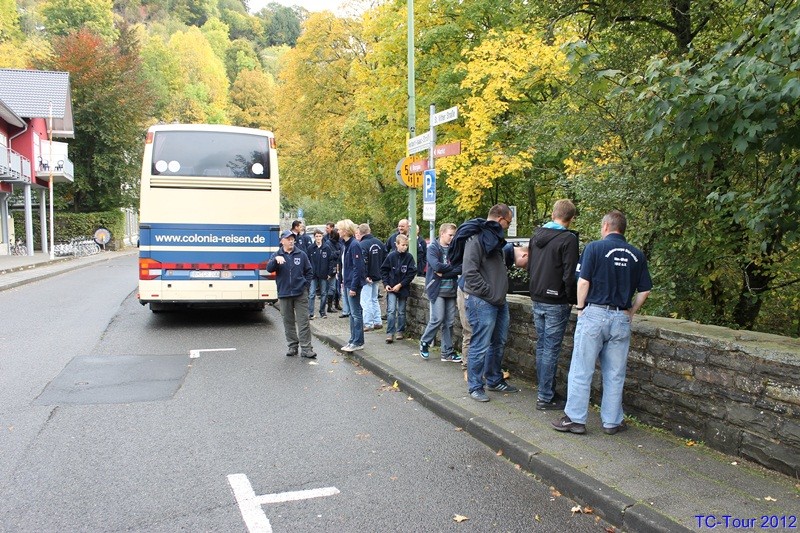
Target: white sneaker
[(347, 347), (353, 348)]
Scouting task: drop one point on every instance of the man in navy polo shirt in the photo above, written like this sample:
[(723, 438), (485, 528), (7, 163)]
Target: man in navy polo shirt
[(611, 272)]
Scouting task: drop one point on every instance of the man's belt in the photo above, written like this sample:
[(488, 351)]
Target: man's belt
[(608, 307)]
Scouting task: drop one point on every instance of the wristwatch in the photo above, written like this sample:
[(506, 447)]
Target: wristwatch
[(580, 308)]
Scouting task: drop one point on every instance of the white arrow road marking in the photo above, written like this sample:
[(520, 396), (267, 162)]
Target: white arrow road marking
[(250, 505), (194, 354)]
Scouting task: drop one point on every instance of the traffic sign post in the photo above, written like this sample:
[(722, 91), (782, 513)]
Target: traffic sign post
[(429, 186), (429, 195)]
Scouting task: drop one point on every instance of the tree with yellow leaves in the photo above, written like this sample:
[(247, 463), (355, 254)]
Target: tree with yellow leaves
[(507, 78)]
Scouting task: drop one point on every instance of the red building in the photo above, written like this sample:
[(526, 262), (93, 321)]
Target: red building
[(35, 109)]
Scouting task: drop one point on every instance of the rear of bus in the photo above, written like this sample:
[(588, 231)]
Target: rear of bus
[(209, 217)]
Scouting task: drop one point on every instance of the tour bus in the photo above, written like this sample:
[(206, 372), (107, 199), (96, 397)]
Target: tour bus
[(209, 217)]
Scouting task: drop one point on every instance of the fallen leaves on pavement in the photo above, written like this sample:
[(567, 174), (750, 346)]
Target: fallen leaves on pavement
[(459, 518)]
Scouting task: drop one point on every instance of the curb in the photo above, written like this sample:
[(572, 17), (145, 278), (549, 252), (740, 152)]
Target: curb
[(619, 510)]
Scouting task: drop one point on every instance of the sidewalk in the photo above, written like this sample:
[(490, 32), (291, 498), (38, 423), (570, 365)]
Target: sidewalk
[(16, 270), (640, 480)]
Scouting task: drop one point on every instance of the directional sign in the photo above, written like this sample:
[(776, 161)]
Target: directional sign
[(444, 116), (429, 186), (419, 143), (419, 166), (444, 150)]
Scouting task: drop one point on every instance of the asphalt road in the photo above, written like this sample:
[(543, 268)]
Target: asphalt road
[(108, 424)]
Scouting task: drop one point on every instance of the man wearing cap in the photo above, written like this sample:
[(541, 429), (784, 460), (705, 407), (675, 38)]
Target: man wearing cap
[(294, 275)]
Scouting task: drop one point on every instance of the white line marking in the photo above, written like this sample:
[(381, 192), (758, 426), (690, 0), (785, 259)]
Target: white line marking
[(297, 495), (194, 354), (250, 505)]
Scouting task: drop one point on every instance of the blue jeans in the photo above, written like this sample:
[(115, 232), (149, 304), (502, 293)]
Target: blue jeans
[(489, 325), (369, 304), (345, 301), (551, 321), (442, 313), (395, 313), (323, 293), (605, 334), (356, 318)]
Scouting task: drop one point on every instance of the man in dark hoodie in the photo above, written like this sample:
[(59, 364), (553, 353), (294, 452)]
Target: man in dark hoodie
[(485, 284), (294, 274), (553, 253)]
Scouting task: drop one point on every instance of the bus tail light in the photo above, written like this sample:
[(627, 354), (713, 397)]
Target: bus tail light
[(149, 269), (272, 143), (263, 274)]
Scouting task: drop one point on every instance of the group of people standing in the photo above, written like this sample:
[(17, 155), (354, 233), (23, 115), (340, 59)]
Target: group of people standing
[(607, 285), (466, 271), (345, 267)]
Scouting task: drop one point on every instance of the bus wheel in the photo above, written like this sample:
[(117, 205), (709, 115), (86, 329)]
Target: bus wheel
[(158, 307)]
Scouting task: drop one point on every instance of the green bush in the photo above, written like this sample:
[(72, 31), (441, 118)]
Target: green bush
[(70, 225)]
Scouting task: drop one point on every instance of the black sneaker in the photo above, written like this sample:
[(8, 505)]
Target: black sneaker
[(291, 353), (564, 424), (616, 429), (309, 354), (502, 387), (556, 404)]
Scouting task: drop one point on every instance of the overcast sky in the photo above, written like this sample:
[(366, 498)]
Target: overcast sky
[(311, 5)]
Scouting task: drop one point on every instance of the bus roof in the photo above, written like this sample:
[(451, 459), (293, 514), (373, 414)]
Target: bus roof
[(210, 128)]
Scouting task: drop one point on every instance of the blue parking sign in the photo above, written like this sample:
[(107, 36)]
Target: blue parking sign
[(429, 186)]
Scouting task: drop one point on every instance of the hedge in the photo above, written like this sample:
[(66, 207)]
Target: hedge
[(71, 225)]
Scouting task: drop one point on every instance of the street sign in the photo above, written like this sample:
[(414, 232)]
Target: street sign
[(429, 186), (299, 212), (444, 116), (419, 143), (419, 166), (429, 212), (512, 228), (444, 150), (403, 174)]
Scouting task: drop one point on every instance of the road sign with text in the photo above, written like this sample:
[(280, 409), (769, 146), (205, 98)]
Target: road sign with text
[(419, 143), (444, 150), (444, 116)]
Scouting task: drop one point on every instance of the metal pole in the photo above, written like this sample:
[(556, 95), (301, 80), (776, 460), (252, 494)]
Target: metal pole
[(50, 186), (430, 160), (412, 128)]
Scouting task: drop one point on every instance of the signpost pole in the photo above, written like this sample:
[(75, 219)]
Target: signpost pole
[(412, 120), (430, 160)]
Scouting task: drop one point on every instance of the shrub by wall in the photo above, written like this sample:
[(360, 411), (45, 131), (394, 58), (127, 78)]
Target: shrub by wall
[(736, 391), (70, 225)]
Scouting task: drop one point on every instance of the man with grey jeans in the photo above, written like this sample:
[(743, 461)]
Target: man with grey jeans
[(294, 275)]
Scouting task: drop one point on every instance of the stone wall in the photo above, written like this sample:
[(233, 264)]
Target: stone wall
[(736, 391)]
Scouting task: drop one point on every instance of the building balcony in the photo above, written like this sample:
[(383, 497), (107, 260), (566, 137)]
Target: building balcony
[(54, 160), (14, 167)]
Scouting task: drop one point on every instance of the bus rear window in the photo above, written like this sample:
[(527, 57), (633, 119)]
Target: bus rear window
[(210, 154)]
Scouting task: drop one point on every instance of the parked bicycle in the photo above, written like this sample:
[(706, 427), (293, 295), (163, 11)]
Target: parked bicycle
[(77, 247), (18, 248)]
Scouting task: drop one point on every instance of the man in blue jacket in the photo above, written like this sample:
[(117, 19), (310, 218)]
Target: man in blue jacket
[(323, 263), (294, 274), (374, 255)]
